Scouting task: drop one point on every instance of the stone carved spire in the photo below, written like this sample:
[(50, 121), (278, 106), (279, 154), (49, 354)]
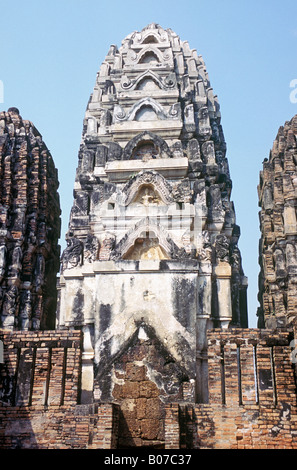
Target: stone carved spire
[(152, 192), (29, 226), (277, 193)]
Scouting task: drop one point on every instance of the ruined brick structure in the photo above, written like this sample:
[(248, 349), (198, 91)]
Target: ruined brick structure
[(252, 397), (151, 347), (278, 200), (29, 227)]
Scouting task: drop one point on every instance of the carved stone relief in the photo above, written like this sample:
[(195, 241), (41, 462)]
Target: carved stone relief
[(72, 256)]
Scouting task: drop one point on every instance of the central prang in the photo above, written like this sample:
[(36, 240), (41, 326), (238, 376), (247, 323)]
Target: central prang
[(152, 259)]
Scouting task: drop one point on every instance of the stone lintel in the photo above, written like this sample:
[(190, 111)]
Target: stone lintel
[(164, 128), (122, 170), (129, 266)]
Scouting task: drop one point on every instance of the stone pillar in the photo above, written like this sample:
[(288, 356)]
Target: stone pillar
[(223, 281), (203, 322), (87, 374)]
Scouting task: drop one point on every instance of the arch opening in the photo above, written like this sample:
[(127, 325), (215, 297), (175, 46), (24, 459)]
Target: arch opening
[(147, 84), (151, 39), (146, 113), (149, 58), (145, 150), (146, 247)]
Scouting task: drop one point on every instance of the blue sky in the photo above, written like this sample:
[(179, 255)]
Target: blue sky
[(51, 52)]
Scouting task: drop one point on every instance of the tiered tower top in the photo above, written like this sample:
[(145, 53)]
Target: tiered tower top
[(153, 76)]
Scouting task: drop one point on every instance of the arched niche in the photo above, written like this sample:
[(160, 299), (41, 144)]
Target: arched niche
[(149, 57), (147, 84), (150, 138), (156, 183), (146, 81), (150, 39), (146, 113), (146, 247), (146, 240), (150, 105), (150, 54), (145, 150), (147, 195)]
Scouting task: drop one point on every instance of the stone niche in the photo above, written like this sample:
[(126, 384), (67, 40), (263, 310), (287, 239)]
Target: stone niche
[(140, 390)]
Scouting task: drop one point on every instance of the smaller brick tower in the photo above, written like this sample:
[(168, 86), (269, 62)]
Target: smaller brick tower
[(29, 227), (278, 200)]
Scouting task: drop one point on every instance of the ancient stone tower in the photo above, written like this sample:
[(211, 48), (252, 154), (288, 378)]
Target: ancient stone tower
[(29, 227), (152, 260), (277, 252)]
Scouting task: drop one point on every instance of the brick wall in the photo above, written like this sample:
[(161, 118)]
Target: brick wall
[(249, 367), (59, 427), (40, 368), (252, 396), (39, 395)]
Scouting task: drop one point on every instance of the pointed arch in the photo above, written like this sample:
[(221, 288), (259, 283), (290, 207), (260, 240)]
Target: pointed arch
[(152, 178), (150, 57), (147, 102), (138, 324), (146, 113), (148, 77), (147, 225), (150, 38), (148, 54), (163, 83), (162, 149)]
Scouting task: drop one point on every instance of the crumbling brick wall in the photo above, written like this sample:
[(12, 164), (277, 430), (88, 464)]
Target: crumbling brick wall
[(29, 227), (39, 395), (278, 224), (41, 368), (252, 396), (59, 427)]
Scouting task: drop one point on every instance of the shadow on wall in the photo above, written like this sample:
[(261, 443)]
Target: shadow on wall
[(16, 433)]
